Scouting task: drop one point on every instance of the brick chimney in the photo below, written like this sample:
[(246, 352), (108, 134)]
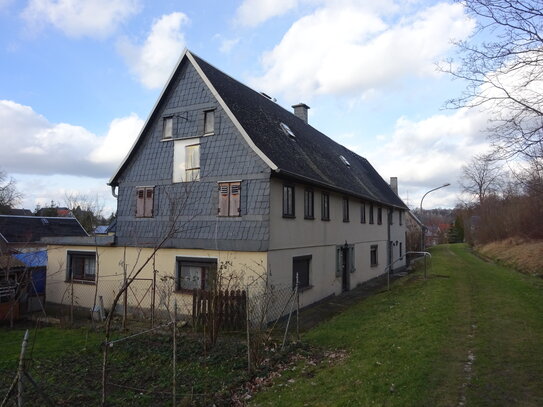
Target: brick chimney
[(300, 110), (394, 184)]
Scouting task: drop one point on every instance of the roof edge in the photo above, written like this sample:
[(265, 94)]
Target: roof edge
[(113, 180), (229, 113)]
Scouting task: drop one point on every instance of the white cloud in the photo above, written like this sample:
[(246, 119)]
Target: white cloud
[(33, 145), (428, 153), (352, 48), (153, 61), (80, 18), (254, 12), (227, 44)]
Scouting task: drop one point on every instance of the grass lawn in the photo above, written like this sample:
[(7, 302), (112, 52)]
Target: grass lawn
[(471, 333)]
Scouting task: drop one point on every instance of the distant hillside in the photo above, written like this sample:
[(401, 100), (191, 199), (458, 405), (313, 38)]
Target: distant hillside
[(522, 254)]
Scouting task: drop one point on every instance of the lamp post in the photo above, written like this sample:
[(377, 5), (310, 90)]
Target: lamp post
[(424, 196)]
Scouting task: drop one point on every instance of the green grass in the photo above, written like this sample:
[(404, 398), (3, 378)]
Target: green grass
[(409, 346)]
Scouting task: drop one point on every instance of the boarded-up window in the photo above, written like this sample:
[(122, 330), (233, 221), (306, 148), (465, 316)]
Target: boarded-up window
[(192, 162), (144, 202), (229, 199)]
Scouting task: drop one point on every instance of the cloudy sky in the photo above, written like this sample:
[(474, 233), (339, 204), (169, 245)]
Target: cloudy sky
[(78, 79)]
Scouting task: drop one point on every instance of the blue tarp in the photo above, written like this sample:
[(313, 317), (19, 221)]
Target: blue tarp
[(33, 259)]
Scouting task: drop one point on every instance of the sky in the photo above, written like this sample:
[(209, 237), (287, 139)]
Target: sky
[(79, 78)]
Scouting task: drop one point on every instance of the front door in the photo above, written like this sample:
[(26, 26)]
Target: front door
[(345, 267)]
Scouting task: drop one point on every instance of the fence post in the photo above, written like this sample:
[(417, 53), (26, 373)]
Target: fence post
[(247, 322), (21, 370), (174, 351), (297, 309)]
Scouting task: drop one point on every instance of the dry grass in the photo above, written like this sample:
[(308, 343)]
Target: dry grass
[(524, 255)]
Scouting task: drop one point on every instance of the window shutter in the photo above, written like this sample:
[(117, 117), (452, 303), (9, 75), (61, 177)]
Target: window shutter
[(339, 261), (140, 202), (235, 209), (352, 268), (148, 211), (224, 191)]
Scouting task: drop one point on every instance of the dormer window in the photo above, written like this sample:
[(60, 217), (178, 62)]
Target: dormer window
[(344, 161), (167, 128), (209, 122), (287, 130)]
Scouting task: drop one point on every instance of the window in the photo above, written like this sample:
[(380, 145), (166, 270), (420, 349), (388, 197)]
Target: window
[(287, 130), (186, 160), (195, 273), (391, 216), (288, 201), (209, 122), (344, 161), (325, 206), (167, 128), (229, 199), (401, 250), (309, 212), (81, 266), (379, 216), (373, 255), (400, 215), (363, 212), (371, 213), (345, 209), (300, 269), (144, 202), (192, 157)]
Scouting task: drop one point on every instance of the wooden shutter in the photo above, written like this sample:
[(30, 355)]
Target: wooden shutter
[(235, 189), (149, 202), (140, 202), (224, 193)]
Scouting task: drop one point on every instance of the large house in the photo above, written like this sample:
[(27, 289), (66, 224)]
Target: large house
[(222, 175)]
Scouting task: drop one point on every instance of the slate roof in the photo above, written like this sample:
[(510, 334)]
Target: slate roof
[(311, 156), (30, 229)]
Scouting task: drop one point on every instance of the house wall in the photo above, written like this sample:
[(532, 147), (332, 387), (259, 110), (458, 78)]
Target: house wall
[(248, 266), (292, 237), (224, 156)]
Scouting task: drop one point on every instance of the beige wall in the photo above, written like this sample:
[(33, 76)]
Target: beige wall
[(248, 265), (298, 237)]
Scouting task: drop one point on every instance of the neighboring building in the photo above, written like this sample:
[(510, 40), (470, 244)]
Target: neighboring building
[(221, 174), (24, 233)]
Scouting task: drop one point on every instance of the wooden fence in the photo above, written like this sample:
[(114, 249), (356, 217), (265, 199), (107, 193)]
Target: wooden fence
[(225, 310)]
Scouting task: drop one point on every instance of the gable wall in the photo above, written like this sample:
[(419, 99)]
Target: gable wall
[(224, 156)]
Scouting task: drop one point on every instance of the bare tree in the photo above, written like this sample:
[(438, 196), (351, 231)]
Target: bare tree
[(9, 196), (87, 210), (481, 177), (503, 66)]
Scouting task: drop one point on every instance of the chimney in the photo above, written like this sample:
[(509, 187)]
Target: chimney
[(300, 111), (394, 184)]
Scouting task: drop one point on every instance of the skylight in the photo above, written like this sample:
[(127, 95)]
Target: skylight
[(287, 130), (44, 221), (344, 160)]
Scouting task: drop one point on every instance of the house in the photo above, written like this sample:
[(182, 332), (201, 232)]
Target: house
[(221, 174), (24, 233)]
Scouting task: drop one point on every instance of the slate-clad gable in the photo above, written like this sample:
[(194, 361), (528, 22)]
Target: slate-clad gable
[(224, 156)]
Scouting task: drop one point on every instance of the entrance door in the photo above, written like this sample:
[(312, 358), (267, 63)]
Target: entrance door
[(345, 268)]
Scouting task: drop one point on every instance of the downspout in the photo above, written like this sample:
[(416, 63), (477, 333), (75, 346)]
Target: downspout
[(115, 194)]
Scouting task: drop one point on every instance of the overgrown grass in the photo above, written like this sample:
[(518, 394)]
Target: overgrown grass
[(410, 346)]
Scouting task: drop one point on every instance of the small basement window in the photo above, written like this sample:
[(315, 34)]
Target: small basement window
[(287, 130), (344, 161)]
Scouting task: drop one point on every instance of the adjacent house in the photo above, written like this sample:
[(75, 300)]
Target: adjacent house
[(222, 175)]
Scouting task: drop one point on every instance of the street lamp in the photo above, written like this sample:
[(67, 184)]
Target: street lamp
[(424, 196)]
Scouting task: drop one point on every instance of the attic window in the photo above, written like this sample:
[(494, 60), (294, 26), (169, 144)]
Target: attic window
[(344, 161), (287, 130)]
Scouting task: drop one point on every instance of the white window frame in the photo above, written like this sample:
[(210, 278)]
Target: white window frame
[(180, 169)]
